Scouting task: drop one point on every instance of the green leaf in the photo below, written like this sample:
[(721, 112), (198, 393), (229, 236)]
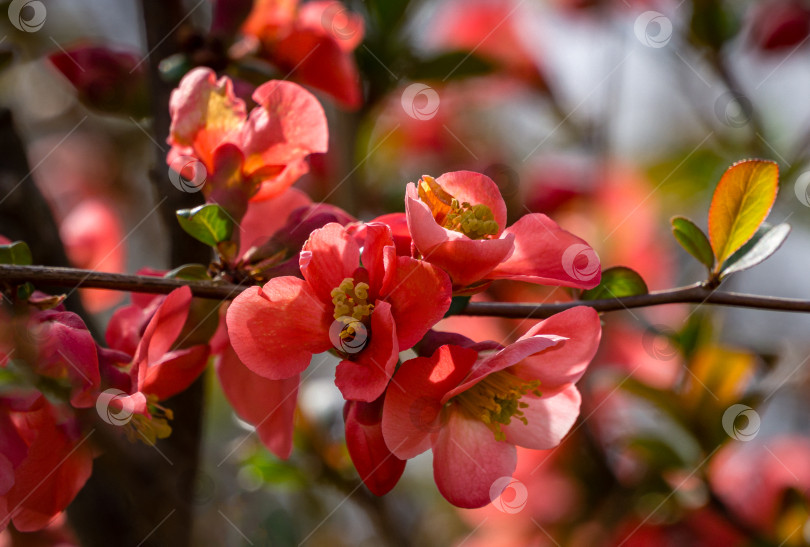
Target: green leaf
[(617, 282), (693, 240), (16, 253), (207, 223), (741, 202), (765, 242), (452, 65), (190, 272)]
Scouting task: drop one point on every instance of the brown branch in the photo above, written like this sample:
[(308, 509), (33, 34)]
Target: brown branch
[(694, 294)]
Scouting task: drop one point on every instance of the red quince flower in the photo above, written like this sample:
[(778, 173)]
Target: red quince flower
[(376, 464), (159, 369), (472, 409), (312, 43), (44, 462), (246, 156), (367, 313), (457, 223)]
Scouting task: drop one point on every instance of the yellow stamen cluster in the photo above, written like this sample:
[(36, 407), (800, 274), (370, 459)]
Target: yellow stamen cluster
[(474, 221), (495, 400), (351, 304), (149, 429)]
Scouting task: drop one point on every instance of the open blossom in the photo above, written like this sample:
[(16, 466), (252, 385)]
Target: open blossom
[(149, 330), (312, 43), (458, 222), (246, 156), (367, 313), (267, 404), (472, 408)]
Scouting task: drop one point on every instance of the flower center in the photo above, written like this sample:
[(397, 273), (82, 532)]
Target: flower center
[(148, 429), (474, 221), (351, 308), (495, 400)]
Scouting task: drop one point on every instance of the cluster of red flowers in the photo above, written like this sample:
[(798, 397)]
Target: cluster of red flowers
[(369, 291)]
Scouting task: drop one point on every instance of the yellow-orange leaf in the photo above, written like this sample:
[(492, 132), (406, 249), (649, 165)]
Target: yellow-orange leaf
[(741, 202)]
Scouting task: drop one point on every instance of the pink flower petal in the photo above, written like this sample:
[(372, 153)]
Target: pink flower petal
[(366, 376), (269, 405), (561, 366), (264, 218), (162, 331), (546, 254), (329, 256), (420, 295), (398, 223), (413, 401), (175, 371), (379, 257), (467, 460), (274, 184), (288, 124), (379, 469), (476, 189), (549, 420), (205, 113), (275, 329), (505, 358)]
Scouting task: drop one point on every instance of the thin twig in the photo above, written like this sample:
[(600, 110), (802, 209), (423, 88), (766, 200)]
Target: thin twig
[(69, 277)]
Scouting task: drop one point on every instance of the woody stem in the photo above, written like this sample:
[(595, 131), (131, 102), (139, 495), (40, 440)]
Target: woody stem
[(693, 294)]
